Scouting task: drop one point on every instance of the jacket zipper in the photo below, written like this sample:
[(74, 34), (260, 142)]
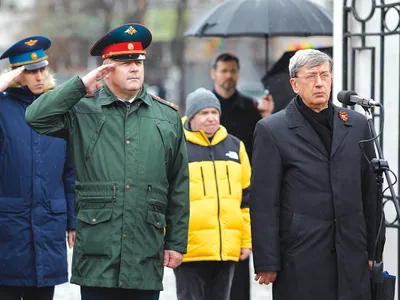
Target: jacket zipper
[(216, 185), (219, 204), (229, 180), (202, 178)]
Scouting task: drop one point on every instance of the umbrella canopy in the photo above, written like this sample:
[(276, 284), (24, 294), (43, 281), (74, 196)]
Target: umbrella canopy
[(234, 18)]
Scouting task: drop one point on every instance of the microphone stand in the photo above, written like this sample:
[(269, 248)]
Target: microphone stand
[(380, 167)]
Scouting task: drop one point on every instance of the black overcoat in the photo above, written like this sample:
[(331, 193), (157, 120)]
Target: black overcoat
[(313, 214)]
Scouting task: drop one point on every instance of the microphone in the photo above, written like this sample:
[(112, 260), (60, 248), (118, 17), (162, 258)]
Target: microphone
[(351, 98)]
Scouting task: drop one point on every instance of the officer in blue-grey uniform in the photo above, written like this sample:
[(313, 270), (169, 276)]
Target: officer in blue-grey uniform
[(36, 183)]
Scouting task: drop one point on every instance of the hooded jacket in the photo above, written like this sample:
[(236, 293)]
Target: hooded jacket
[(36, 198)]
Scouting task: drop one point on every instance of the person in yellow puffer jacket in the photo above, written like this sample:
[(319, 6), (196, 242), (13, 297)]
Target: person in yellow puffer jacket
[(219, 223)]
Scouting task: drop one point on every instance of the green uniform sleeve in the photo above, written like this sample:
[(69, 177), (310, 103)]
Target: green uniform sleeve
[(176, 237), (50, 113)]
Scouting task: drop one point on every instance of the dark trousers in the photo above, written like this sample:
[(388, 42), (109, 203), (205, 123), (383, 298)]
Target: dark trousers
[(99, 293), (204, 280), (241, 281), (26, 293)]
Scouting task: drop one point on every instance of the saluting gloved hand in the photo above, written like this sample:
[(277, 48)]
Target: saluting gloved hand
[(7, 78)]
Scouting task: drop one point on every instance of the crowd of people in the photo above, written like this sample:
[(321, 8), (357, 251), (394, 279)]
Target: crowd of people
[(133, 186)]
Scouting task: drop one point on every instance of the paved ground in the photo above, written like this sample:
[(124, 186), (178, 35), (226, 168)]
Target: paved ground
[(71, 291)]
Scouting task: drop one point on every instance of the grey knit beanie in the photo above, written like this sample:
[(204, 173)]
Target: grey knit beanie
[(200, 99)]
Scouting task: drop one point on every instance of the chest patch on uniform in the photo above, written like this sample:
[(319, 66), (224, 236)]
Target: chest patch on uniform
[(170, 104), (232, 155)]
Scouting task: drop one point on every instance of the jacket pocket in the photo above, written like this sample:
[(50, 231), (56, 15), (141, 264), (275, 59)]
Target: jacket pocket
[(13, 205), (155, 231), (95, 204), (93, 231), (58, 206), (289, 227), (95, 138), (96, 199)]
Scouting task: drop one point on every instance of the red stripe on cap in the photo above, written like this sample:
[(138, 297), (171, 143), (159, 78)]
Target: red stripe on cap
[(122, 48)]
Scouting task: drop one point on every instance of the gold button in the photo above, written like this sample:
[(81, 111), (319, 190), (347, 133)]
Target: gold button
[(128, 142), (94, 220), (124, 235), (128, 187), (121, 283)]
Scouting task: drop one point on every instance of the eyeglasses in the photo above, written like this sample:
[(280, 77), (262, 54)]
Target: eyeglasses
[(312, 77), (232, 71)]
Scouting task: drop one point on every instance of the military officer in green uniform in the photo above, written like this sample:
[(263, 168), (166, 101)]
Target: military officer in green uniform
[(131, 170)]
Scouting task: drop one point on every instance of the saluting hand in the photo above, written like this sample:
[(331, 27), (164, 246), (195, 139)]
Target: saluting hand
[(7, 78), (91, 80), (172, 259)]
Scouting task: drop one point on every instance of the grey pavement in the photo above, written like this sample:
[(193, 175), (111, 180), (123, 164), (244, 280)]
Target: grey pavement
[(69, 291)]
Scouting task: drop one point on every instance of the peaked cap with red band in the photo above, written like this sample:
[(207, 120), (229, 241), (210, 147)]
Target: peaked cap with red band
[(126, 42)]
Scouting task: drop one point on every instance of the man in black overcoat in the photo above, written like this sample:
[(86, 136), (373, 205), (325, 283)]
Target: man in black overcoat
[(313, 202)]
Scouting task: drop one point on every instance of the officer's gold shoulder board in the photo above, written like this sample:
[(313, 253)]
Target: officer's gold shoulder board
[(170, 104)]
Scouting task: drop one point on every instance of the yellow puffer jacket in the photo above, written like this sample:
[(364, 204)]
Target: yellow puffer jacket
[(219, 224)]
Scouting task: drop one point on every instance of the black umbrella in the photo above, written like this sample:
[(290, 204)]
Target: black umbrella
[(264, 18)]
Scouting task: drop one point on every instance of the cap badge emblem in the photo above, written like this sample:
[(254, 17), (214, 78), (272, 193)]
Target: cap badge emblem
[(31, 42), (131, 30)]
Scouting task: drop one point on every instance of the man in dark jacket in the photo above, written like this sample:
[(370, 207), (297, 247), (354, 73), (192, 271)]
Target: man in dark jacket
[(239, 113), (131, 168), (313, 201), (239, 116), (36, 183)]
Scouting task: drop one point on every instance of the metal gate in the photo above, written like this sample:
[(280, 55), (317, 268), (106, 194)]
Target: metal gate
[(370, 32)]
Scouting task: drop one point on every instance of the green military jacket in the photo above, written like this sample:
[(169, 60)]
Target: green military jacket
[(131, 192)]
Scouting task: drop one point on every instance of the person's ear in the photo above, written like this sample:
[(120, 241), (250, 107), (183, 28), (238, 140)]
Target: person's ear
[(212, 74), (293, 82)]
